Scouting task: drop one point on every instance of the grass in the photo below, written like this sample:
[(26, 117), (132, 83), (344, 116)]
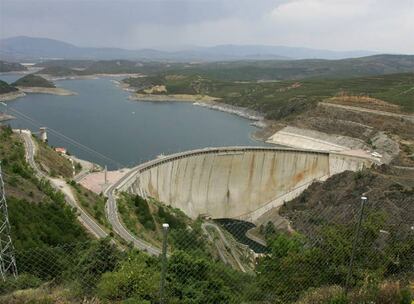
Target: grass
[(52, 162), (92, 203)]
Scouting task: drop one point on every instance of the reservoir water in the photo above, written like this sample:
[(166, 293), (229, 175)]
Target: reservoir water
[(102, 117)]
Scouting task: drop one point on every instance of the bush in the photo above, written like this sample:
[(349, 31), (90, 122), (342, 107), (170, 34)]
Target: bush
[(99, 258), (23, 281), (143, 213), (136, 278), (166, 217)]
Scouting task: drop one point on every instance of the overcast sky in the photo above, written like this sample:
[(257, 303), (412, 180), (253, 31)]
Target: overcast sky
[(382, 25)]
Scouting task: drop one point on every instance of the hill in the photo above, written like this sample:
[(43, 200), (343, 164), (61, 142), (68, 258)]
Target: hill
[(112, 67), (6, 88), (265, 70), (32, 80), (22, 47), (276, 70), (53, 218), (11, 67), (65, 63), (279, 99), (58, 71)]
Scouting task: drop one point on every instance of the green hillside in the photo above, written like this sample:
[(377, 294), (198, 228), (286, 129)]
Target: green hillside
[(32, 80), (55, 222), (279, 99), (58, 71), (6, 88), (301, 69)]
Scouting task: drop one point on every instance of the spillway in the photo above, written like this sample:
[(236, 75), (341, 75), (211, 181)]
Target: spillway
[(235, 182)]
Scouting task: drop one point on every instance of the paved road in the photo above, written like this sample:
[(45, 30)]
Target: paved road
[(113, 217), (225, 242), (87, 221)]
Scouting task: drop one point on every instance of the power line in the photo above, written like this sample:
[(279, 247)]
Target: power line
[(64, 137)]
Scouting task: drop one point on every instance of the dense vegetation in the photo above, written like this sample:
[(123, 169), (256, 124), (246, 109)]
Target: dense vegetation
[(32, 80), (145, 218), (11, 67), (280, 99), (6, 88), (48, 221)]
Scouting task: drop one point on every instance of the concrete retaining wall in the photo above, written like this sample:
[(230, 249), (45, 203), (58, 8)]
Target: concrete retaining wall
[(235, 182)]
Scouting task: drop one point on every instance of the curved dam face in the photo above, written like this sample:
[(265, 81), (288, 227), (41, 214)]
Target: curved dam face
[(240, 182)]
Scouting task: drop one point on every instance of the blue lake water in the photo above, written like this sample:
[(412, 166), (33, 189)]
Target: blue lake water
[(129, 132)]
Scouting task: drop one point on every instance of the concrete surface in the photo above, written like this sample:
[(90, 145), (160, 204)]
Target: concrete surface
[(314, 140), (234, 182)]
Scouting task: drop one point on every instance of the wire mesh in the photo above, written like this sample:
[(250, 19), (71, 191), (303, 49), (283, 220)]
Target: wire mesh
[(302, 257)]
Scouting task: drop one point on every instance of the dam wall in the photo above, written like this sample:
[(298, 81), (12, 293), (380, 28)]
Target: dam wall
[(240, 182)]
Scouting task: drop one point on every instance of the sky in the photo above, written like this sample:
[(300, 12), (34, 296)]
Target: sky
[(376, 25)]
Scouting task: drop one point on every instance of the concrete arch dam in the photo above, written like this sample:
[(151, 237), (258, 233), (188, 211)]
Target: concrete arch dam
[(235, 182)]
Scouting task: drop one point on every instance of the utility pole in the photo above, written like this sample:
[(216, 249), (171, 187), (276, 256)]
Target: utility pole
[(7, 259), (106, 175), (355, 243), (165, 228)]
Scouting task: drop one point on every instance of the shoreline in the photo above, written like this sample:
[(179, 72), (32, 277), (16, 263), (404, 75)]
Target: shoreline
[(41, 90), (173, 97), (11, 95), (86, 77)]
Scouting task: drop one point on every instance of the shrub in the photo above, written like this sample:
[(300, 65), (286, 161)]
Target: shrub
[(23, 281), (136, 278)]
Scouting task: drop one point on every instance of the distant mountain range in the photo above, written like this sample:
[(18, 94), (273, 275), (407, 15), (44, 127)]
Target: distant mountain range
[(28, 48)]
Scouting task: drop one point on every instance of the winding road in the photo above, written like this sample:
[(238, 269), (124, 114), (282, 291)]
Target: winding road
[(87, 221), (113, 217)]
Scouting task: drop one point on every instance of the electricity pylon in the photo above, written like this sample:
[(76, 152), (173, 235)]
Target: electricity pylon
[(7, 260)]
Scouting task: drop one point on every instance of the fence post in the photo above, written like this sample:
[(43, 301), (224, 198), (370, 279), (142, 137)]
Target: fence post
[(163, 262), (355, 242)]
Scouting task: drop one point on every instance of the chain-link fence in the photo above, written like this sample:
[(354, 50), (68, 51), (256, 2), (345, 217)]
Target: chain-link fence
[(310, 252)]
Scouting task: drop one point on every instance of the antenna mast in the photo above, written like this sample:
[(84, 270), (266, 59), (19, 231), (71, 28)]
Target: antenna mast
[(7, 259)]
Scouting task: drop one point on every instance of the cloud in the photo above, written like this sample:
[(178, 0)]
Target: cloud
[(346, 24), (319, 10), (383, 25)]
